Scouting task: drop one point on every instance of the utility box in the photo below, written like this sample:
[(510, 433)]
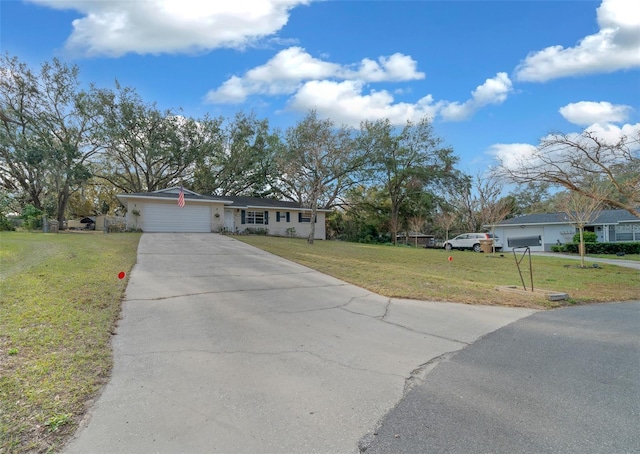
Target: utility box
[(53, 226)]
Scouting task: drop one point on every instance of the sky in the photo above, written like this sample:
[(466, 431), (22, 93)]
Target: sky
[(494, 77)]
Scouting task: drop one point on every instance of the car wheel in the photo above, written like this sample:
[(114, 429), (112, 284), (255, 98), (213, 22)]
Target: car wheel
[(447, 246), (477, 248)]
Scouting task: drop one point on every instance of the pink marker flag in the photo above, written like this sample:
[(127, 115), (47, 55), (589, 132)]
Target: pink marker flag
[(181, 198)]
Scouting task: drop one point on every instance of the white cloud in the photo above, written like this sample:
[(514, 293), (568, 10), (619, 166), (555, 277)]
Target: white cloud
[(510, 154), (170, 26), (345, 103), (492, 91), (342, 91), (283, 74), (616, 46), (397, 67), (289, 68), (586, 112), (613, 133), (513, 155)]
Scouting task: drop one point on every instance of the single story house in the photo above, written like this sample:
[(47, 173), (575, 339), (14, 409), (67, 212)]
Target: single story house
[(159, 211), (548, 229)]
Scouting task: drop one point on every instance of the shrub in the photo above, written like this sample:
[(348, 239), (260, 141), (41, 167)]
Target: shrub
[(256, 231), (32, 217), (600, 248), (589, 237), (5, 224)]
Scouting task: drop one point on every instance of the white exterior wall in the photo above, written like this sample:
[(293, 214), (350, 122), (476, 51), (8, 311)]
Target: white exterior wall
[(217, 223), (275, 228), (563, 233)]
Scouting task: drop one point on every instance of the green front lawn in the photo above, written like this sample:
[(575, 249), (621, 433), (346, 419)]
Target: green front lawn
[(60, 299), (428, 274)]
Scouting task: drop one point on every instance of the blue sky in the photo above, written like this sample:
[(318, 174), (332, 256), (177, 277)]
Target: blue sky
[(494, 76)]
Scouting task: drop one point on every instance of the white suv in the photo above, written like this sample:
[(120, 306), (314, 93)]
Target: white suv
[(471, 241)]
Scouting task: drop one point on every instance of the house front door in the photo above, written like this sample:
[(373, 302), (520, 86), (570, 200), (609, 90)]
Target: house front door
[(229, 221)]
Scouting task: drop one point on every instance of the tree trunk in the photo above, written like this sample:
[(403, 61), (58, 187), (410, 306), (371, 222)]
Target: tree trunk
[(582, 247), (394, 226), (63, 199), (312, 230)]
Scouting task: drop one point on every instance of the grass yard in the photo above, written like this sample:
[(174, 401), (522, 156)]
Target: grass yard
[(427, 274), (60, 300)]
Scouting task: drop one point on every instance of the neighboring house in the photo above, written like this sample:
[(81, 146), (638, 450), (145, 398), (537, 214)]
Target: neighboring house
[(553, 228), (158, 211)]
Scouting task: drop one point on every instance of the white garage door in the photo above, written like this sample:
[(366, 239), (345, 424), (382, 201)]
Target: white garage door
[(172, 218)]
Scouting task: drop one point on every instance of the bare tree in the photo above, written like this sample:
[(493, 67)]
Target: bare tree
[(581, 210), (496, 212), (446, 220), (416, 224), (480, 202), (577, 161)]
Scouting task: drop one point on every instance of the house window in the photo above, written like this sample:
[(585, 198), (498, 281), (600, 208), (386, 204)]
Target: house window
[(304, 217), (256, 217)]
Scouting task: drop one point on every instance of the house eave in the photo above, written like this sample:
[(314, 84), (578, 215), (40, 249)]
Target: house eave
[(123, 197)]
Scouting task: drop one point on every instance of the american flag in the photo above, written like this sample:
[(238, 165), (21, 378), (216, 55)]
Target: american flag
[(181, 197)]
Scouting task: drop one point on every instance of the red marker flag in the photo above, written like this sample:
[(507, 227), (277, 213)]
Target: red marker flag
[(181, 198)]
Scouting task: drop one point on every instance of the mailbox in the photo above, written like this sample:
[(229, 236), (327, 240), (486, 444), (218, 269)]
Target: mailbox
[(524, 241)]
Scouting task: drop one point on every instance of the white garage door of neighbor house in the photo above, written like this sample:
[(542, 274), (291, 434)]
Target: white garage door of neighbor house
[(172, 218)]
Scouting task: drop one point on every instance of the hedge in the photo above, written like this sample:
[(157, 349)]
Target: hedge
[(600, 248)]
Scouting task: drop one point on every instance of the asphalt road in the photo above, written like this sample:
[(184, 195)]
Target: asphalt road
[(562, 381), (225, 348)]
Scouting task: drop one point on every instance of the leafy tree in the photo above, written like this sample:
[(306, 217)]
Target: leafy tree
[(530, 198), (578, 161), (362, 217), (7, 207), (241, 161), (318, 163), (47, 126), (407, 162), (147, 149)]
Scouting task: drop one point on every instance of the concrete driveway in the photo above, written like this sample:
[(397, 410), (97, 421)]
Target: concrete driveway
[(225, 348)]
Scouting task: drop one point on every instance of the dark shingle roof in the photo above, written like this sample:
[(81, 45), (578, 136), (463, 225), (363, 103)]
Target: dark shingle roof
[(605, 217), (170, 195), (238, 201), (242, 201)]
